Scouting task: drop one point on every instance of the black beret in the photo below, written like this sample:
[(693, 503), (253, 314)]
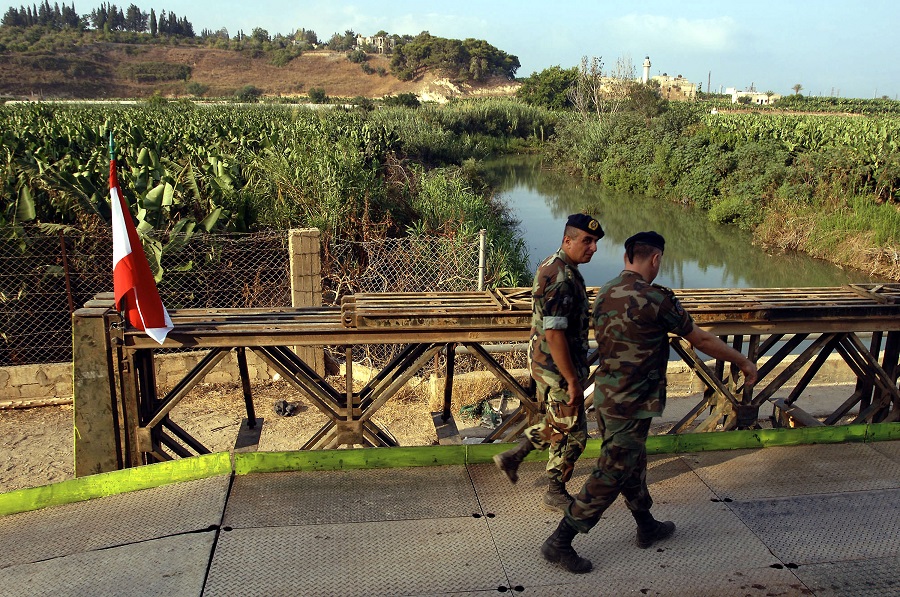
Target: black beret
[(651, 238), (586, 223)]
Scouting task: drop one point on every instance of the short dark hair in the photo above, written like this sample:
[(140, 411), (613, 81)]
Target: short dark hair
[(642, 251)]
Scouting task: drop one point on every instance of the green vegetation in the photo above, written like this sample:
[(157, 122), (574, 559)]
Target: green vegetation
[(845, 105), (150, 72), (248, 94), (467, 60), (827, 185), (354, 174), (549, 88)]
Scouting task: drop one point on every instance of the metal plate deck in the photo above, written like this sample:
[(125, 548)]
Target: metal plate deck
[(889, 449), (110, 521), (320, 497), (171, 566), (795, 470), (465, 530), (405, 557), (743, 582), (872, 577), (826, 528), (709, 539)]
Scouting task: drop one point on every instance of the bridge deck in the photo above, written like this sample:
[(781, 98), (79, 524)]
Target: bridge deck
[(802, 520), (505, 314)]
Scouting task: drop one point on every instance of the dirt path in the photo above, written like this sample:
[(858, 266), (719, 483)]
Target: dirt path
[(37, 444)]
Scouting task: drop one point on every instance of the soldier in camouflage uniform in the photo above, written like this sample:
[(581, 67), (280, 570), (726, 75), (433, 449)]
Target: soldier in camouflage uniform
[(557, 357), (632, 319)]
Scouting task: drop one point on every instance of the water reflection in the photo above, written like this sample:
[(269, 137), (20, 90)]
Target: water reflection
[(699, 253)]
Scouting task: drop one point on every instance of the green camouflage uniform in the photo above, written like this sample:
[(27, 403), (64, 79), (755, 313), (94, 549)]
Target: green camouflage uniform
[(632, 320), (560, 302)]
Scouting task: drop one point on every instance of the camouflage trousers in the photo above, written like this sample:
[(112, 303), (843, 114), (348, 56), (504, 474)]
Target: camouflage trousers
[(621, 468), (563, 429)]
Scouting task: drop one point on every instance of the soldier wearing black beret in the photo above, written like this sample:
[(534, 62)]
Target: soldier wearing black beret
[(632, 319), (586, 223), (557, 360)]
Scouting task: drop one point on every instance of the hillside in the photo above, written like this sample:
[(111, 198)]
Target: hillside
[(102, 71)]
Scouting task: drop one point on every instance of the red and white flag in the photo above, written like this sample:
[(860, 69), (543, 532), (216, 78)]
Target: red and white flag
[(135, 288)]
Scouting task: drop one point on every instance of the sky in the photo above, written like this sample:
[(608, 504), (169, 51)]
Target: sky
[(829, 47)]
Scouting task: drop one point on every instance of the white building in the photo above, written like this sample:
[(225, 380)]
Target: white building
[(760, 99)]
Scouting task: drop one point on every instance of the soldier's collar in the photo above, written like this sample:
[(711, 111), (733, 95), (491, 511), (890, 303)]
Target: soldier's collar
[(562, 255)]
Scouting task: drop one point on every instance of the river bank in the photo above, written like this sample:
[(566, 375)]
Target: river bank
[(828, 186)]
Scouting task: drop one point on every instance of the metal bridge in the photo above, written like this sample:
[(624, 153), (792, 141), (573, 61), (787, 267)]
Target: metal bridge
[(122, 421)]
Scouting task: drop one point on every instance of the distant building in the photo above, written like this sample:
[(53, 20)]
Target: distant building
[(646, 65), (675, 88), (381, 43), (760, 99)]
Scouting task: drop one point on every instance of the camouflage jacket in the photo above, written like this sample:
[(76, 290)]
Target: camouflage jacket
[(632, 320), (560, 302)]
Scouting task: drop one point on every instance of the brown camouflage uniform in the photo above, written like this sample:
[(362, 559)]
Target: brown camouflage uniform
[(632, 320), (560, 302)]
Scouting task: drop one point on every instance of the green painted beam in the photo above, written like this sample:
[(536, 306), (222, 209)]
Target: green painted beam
[(220, 463), (879, 432), (358, 458), (115, 482)]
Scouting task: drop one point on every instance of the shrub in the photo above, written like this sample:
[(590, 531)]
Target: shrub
[(317, 95), (357, 56), (196, 89), (405, 100), (150, 72), (248, 94)]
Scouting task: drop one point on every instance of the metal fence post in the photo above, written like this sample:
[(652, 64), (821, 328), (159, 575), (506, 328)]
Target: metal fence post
[(482, 246), (306, 284)]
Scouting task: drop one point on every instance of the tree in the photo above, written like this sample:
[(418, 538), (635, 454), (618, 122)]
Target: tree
[(259, 34), (602, 93), (647, 100), (153, 28), (549, 88), (317, 95), (797, 88), (135, 19)]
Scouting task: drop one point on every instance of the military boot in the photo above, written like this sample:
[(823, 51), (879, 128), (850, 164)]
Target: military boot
[(509, 461), (558, 549), (557, 498), (651, 530)]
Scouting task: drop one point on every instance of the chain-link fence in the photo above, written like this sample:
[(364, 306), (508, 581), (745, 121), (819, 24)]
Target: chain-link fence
[(413, 264), (42, 282)]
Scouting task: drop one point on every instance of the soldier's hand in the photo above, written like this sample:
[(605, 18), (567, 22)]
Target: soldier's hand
[(751, 374), (576, 394)]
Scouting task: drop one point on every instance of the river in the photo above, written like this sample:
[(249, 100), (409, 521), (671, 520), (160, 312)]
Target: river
[(699, 253)]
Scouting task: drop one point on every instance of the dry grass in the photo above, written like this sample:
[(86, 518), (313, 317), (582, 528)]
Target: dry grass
[(224, 72), (789, 230)]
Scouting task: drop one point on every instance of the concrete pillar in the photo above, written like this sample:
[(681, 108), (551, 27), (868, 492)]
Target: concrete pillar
[(96, 418), (306, 284)]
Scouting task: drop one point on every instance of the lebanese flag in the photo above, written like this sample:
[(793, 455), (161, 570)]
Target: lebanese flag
[(135, 288)]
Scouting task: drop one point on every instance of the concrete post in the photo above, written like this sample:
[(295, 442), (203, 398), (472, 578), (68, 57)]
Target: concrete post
[(306, 284), (96, 419)]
